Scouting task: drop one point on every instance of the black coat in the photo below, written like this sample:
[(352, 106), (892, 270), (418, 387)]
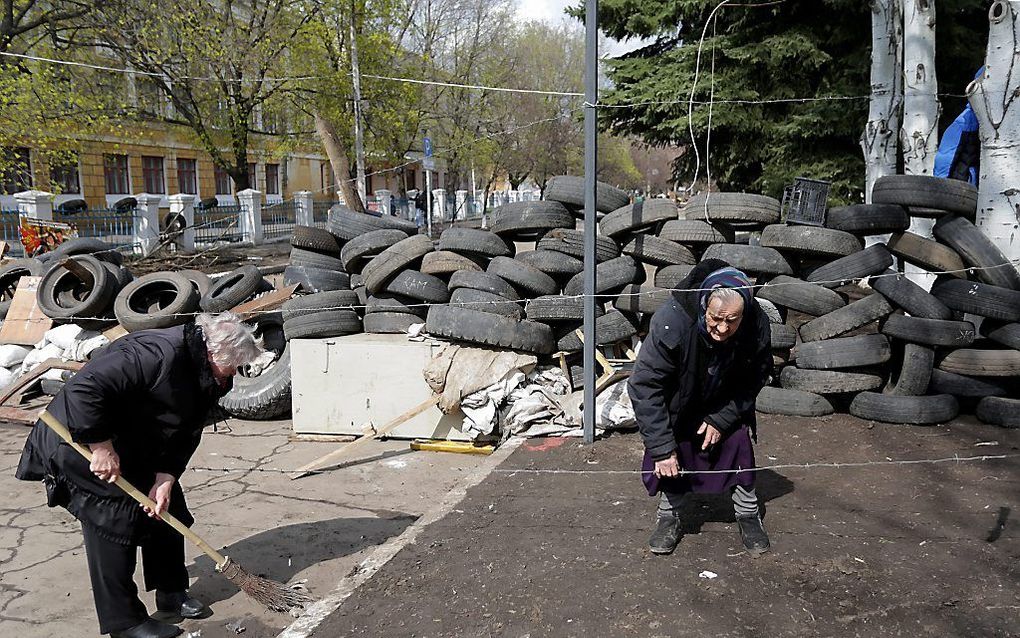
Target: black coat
[(150, 392), (667, 385)]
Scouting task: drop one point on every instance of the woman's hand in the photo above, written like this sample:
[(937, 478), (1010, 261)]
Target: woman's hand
[(712, 435), (105, 461), (160, 493), (667, 467)]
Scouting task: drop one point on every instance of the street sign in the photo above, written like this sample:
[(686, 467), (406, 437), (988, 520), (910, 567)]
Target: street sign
[(428, 147), (428, 163)]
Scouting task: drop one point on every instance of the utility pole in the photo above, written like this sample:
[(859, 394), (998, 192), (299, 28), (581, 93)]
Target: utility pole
[(591, 98), (359, 141)]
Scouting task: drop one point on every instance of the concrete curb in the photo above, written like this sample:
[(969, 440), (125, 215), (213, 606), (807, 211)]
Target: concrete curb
[(321, 609)]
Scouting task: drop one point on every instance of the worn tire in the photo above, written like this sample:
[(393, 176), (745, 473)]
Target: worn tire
[(302, 257), (156, 300), (975, 362), (571, 242), (644, 299), (845, 352), (266, 396), (62, 295), (926, 191), (358, 251), (527, 280), (231, 289), (348, 224), (733, 207), (314, 280), (610, 328), (418, 285), (486, 302), (811, 299), (931, 332), (316, 240), (198, 279), (695, 232), (552, 263), (846, 319), (1008, 334), (530, 220), (959, 385), (473, 241), (476, 326), (783, 336), (774, 313), (755, 260), (814, 241), (977, 298), (828, 381), (638, 216), (325, 323), (87, 246), (557, 308), (484, 281), (872, 260), (406, 253), (11, 274), (910, 372), (444, 262), (650, 249), (1001, 411), (907, 295), (310, 304), (398, 304), (669, 277), (926, 253), (977, 250), (569, 190), (390, 322), (610, 276), (868, 219), (919, 410), (785, 402)]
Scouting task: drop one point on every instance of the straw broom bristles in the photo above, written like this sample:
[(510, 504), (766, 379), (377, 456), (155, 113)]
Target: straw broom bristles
[(269, 593)]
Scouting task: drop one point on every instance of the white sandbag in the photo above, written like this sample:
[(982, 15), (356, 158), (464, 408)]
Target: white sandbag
[(84, 345), (63, 336), (37, 356), (7, 377), (12, 354)]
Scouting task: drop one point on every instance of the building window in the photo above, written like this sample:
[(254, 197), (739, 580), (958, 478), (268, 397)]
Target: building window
[(115, 167), (252, 183), (152, 172), (272, 179), (64, 176), (16, 173), (223, 185), (187, 176)]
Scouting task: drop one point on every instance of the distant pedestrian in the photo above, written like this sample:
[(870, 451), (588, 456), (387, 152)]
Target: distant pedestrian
[(699, 371), (419, 208), (140, 406)]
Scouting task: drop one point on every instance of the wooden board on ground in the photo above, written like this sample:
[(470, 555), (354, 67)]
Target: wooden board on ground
[(18, 415), (265, 303), (115, 332), (25, 323)]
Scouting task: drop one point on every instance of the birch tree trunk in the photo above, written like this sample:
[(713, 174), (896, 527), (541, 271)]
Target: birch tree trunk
[(921, 109), (880, 134), (995, 98), (339, 162)]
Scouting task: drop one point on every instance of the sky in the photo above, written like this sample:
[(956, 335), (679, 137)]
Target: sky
[(551, 11)]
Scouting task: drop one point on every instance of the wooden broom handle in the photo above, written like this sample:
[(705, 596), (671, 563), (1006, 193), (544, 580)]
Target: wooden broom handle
[(134, 493)]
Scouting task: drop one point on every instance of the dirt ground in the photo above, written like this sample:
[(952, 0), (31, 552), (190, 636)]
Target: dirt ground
[(316, 529), (894, 550)]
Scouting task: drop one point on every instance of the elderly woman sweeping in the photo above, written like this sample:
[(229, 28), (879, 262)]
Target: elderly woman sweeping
[(706, 357), (140, 405)]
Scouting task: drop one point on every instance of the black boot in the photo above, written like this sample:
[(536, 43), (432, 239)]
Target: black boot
[(149, 628), (180, 604), (666, 535), (753, 535)]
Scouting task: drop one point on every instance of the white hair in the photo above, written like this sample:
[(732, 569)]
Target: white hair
[(726, 295), (230, 341)]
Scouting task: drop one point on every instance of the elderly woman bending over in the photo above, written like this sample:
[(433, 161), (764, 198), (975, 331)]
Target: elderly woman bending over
[(140, 406)]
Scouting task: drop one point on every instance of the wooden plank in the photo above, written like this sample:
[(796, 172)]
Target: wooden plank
[(25, 323), (18, 415), (454, 447), (115, 333), (265, 303), (24, 381), (336, 455), (322, 438)]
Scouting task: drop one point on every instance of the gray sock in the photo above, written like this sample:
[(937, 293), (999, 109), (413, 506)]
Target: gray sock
[(745, 501)]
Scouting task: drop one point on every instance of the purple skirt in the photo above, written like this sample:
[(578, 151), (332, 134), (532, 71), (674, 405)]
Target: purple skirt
[(734, 452)]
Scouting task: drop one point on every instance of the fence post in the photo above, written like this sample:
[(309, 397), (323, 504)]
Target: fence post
[(385, 198), (251, 215), (184, 204), (462, 204), (145, 226), (37, 204), (304, 213), (439, 203)]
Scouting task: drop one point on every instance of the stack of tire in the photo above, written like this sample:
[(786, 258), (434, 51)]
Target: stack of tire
[(895, 353)]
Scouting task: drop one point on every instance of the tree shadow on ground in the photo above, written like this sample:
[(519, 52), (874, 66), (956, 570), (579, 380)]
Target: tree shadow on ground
[(698, 509), (282, 552)]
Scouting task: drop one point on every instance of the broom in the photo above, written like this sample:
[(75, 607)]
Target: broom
[(273, 595)]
